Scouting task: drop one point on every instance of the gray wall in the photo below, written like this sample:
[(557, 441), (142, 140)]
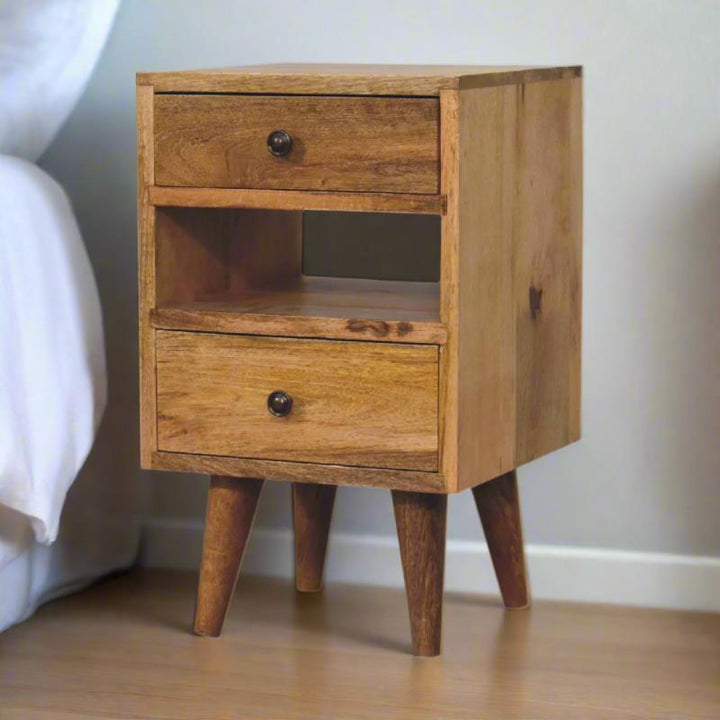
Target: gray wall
[(645, 475)]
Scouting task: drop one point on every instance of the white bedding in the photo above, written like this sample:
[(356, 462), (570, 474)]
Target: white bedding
[(52, 367), (48, 49), (52, 370), (52, 363)]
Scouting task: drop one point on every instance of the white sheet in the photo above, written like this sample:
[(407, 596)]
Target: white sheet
[(52, 363), (48, 49), (93, 541), (52, 394), (52, 366)]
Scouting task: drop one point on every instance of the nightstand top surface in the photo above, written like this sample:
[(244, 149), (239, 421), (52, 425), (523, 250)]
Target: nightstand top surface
[(310, 78)]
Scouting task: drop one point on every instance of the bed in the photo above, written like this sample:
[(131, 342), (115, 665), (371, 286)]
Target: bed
[(53, 384)]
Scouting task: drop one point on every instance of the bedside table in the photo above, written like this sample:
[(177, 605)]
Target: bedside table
[(251, 369)]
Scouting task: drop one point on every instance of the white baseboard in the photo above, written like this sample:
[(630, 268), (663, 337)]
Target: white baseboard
[(619, 577)]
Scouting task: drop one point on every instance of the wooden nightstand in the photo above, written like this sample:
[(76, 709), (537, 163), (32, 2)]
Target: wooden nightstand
[(251, 369)]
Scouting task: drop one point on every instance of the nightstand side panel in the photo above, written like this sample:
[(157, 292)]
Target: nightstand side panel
[(548, 266), (511, 276)]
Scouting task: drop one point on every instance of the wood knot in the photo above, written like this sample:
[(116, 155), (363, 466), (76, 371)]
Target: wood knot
[(535, 297), (377, 327)]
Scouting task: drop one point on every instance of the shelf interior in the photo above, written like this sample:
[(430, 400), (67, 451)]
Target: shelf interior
[(242, 271), (331, 297)]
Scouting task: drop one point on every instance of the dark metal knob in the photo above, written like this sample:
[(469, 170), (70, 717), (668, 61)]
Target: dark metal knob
[(279, 142), (279, 403)]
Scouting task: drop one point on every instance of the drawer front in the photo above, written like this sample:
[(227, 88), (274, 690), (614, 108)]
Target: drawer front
[(374, 144), (360, 404)]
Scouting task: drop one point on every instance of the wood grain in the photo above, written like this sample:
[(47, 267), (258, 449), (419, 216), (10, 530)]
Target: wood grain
[(350, 143), (348, 79), (232, 318), (498, 504), (115, 651), (415, 480), (323, 307), (366, 404), (548, 260), (191, 251), (312, 506), (509, 306), (146, 273), (477, 382), (420, 519), (231, 507), (297, 200), (224, 252), (265, 250), (511, 274)]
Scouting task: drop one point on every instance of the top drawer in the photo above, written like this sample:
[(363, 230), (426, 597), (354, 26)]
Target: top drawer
[(363, 144)]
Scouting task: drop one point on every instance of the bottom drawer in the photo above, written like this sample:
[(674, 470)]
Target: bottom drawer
[(353, 403)]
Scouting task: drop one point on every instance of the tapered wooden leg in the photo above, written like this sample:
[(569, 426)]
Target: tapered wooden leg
[(230, 512), (498, 503), (420, 520), (312, 513)]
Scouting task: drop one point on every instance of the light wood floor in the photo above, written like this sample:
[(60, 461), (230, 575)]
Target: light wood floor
[(122, 650)]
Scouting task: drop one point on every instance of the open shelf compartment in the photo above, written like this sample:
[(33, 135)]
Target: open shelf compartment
[(241, 271)]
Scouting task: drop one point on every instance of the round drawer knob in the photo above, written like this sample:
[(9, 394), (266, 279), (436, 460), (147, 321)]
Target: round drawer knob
[(279, 142), (279, 403)]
